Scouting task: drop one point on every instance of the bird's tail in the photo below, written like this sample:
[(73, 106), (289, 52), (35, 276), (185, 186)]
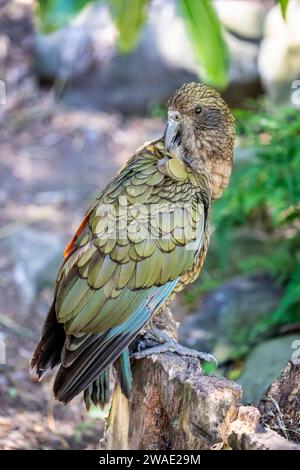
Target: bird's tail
[(123, 373), (48, 354), (48, 351), (98, 392)]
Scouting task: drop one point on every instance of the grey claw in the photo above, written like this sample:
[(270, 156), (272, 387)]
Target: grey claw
[(157, 341)]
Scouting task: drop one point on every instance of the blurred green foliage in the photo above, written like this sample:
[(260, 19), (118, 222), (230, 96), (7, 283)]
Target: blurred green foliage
[(264, 196), (129, 16), (283, 6), (205, 31), (53, 14), (200, 19)]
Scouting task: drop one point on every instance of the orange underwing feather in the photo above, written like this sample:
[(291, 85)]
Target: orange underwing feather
[(77, 233)]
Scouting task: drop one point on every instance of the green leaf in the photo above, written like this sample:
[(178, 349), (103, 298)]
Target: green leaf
[(129, 17), (283, 7), (53, 14), (206, 35)]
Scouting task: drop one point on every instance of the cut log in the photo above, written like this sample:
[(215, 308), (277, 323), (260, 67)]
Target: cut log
[(248, 434), (174, 406)]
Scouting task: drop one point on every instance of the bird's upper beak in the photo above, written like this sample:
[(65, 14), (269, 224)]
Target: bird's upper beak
[(172, 132)]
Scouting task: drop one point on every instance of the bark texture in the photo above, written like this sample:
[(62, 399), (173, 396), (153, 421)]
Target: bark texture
[(281, 407)]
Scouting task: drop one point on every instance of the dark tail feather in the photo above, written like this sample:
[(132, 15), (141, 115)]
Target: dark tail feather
[(98, 391), (89, 365), (70, 380), (48, 351), (123, 373)]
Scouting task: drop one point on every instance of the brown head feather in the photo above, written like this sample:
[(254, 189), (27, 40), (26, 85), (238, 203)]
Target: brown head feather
[(207, 132)]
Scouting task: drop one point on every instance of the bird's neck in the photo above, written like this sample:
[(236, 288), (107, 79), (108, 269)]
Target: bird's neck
[(211, 156)]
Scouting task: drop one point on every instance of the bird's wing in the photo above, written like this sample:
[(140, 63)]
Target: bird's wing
[(109, 270), (115, 278)]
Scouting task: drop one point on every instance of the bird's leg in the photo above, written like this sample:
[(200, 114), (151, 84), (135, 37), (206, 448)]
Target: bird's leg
[(156, 341)]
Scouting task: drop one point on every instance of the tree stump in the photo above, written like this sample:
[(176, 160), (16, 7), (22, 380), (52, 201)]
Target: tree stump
[(174, 406), (280, 408)]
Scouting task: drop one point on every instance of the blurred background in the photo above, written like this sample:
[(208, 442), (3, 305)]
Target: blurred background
[(82, 85)]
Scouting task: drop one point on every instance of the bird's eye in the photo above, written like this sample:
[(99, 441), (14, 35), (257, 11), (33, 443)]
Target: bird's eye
[(198, 109)]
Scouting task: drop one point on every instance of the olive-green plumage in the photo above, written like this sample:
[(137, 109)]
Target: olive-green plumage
[(142, 240)]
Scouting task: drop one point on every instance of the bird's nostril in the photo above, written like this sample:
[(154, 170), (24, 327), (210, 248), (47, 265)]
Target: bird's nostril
[(174, 115)]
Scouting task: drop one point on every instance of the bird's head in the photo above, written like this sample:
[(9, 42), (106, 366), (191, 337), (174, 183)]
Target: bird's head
[(200, 131)]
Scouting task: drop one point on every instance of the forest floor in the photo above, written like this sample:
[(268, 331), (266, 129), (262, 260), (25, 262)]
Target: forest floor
[(53, 160)]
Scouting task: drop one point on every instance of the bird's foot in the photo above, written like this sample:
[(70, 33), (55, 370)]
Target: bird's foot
[(156, 341)]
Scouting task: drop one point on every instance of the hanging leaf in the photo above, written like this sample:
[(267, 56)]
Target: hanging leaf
[(129, 17), (53, 14), (206, 36), (283, 5)]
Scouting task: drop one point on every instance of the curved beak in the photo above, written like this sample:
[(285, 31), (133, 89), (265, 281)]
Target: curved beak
[(172, 131)]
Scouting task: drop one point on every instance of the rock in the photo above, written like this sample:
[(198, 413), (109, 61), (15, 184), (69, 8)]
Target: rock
[(37, 255), (120, 86), (62, 55), (225, 316), (244, 79), (175, 48), (137, 82), (263, 365), (244, 25), (134, 83), (243, 18), (279, 55)]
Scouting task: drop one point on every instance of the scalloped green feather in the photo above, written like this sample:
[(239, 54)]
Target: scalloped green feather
[(121, 266)]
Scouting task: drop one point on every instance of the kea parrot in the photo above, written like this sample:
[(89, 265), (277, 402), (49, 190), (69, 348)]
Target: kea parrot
[(143, 239)]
